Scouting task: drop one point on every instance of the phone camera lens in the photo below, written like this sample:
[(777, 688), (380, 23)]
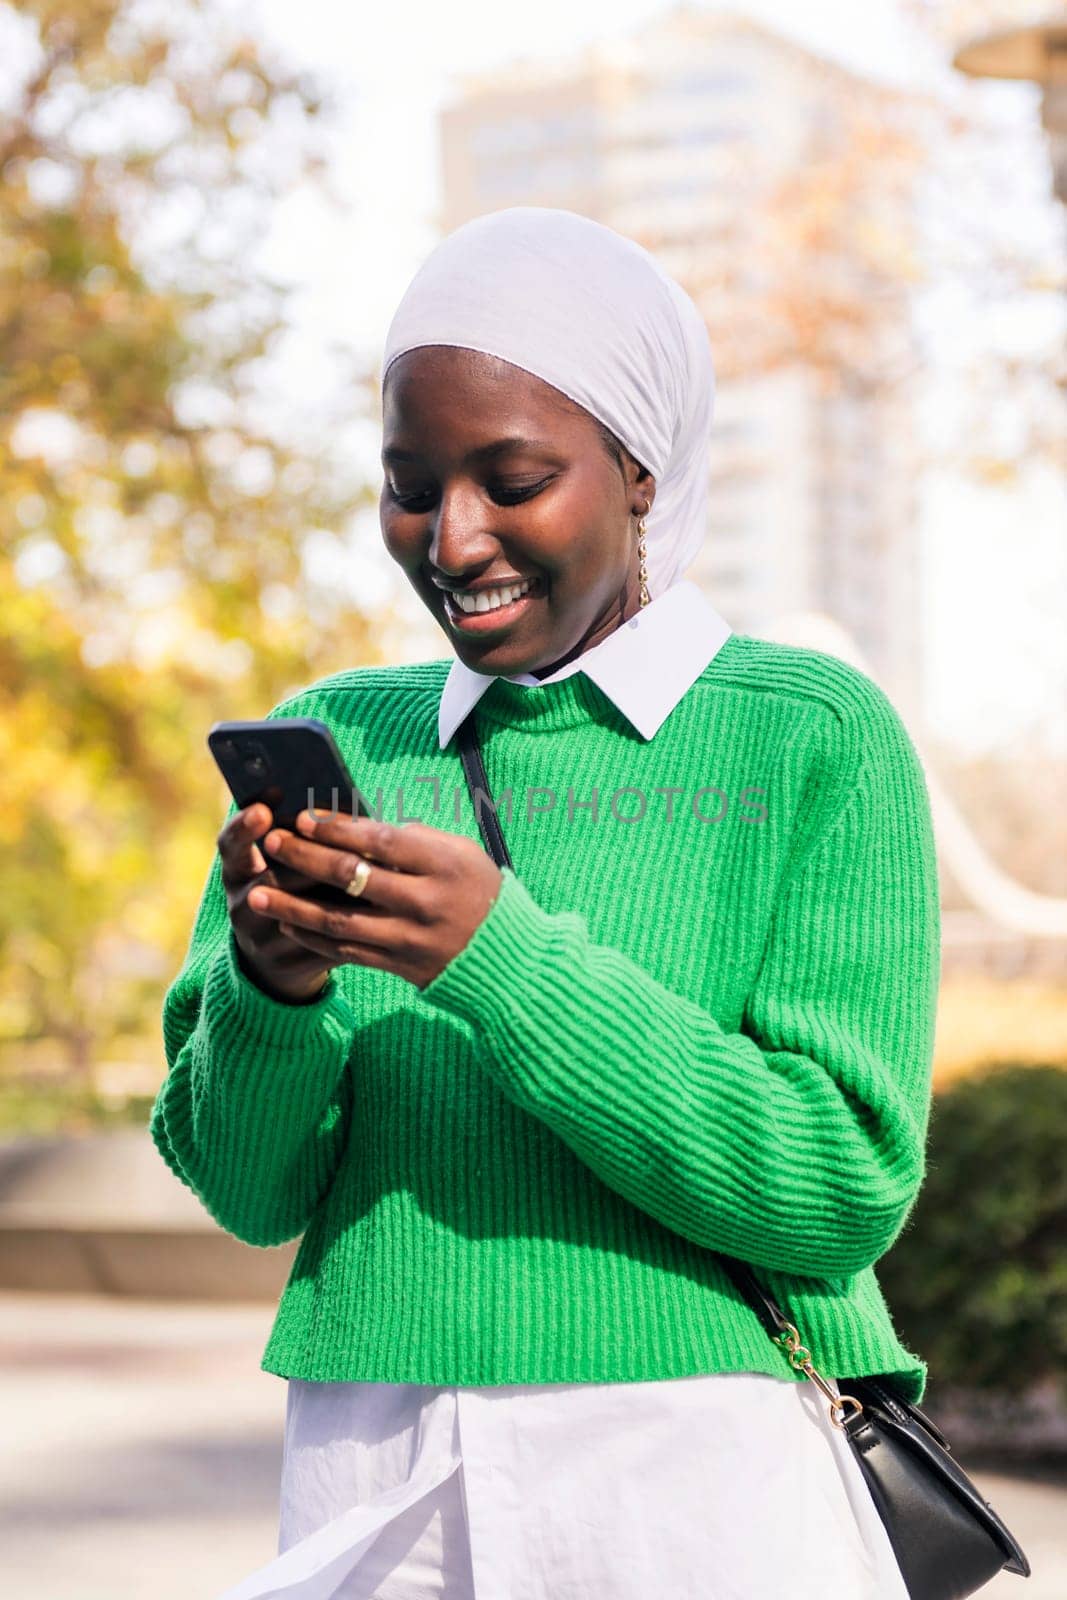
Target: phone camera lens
[(255, 760)]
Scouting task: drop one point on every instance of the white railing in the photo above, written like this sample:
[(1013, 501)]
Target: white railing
[(1004, 901)]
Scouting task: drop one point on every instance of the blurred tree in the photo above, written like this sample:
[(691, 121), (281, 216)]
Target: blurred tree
[(896, 199), (814, 269), (998, 238), (154, 518)]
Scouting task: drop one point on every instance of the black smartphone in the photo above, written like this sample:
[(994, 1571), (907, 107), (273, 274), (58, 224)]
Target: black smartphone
[(291, 764)]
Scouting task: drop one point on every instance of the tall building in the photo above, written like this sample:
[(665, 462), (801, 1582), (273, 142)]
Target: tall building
[(685, 136)]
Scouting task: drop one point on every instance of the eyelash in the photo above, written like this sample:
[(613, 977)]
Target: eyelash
[(514, 496)]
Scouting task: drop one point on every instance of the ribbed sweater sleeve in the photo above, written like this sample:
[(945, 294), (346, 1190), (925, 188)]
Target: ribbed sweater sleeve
[(798, 1142), (254, 1111)]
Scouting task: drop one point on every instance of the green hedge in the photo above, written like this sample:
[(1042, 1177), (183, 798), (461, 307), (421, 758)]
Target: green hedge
[(977, 1280)]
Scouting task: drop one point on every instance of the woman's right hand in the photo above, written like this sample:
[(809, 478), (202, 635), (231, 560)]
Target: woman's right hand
[(277, 964)]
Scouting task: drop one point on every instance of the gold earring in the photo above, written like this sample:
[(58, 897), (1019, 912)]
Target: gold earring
[(642, 553)]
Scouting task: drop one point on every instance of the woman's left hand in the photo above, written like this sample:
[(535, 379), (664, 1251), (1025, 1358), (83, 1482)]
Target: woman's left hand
[(410, 920)]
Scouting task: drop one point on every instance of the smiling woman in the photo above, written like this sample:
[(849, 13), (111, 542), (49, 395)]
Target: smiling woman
[(522, 547), (516, 1111)]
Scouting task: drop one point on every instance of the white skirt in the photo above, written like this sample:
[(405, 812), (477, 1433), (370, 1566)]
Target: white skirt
[(714, 1487)]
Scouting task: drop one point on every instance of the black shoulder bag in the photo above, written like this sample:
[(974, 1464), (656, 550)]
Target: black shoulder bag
[(948, 1540)]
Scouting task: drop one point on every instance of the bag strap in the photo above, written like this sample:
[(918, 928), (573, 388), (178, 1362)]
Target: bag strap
[(781, 1331), (474, 770)]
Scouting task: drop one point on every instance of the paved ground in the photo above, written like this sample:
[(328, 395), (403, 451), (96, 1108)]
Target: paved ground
[(143, 1446)]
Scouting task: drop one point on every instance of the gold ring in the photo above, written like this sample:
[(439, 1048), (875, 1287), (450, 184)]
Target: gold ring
[(359, 879)]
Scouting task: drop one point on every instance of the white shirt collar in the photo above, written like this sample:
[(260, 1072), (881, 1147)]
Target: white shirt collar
[(644, 667)]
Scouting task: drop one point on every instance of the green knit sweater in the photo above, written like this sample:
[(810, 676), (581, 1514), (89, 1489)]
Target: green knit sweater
[(697, 1018)]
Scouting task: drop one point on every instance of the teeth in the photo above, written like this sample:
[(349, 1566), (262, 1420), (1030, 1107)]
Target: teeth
[(490, 599)]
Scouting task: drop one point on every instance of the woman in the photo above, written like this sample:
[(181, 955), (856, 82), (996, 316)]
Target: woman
[(513, 1113)]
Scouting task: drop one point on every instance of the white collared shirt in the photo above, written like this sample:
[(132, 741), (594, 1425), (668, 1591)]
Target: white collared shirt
[(644, 667), (533, 1491)]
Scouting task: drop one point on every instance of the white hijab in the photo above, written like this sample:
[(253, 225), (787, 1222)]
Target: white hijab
[(593, 314)]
